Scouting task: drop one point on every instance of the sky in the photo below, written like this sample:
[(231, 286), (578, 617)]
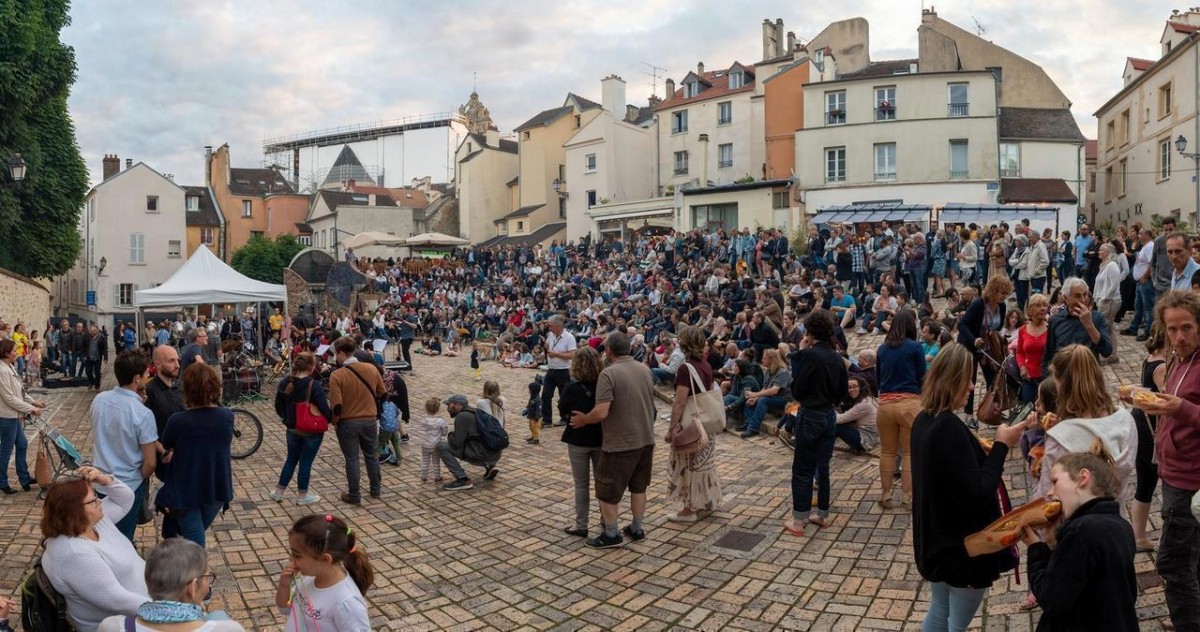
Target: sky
[(160, 79)]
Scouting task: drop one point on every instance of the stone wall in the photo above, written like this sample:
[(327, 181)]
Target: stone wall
[(23, 300)]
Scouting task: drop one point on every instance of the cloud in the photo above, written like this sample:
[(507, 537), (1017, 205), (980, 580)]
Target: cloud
[(160, 80)]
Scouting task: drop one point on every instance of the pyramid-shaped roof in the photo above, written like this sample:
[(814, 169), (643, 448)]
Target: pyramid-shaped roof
[(346, 168)]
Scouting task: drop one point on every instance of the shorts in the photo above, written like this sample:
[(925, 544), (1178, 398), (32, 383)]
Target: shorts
[(618, 471)]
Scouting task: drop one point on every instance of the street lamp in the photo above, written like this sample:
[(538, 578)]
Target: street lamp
[(16, 167)]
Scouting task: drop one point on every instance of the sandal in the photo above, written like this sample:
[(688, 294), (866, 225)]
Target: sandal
[(1029, 603), (818, 520), (1145, 546), (682, 517), (791, 527), (886, 503)]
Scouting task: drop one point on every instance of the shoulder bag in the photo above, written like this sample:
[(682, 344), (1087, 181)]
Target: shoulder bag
[(705, 405), (308, 417)]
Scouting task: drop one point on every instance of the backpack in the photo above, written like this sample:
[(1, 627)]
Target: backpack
[(42, 608), (491, 433), (389, 416)]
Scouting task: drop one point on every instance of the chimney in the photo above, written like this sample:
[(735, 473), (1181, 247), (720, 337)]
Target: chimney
[(770, 48), (112, 165), (207, 165), (670, 88), (493, 137), (612, 95), (791, 42), (700, 69), (703, 160), (631, 112), (780, 37), (128, 163)]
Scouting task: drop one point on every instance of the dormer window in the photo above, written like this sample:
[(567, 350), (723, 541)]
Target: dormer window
[(819, 60), (193, 203), (736, 79), (691, 89)]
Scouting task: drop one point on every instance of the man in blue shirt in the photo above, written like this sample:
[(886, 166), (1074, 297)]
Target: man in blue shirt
[(1182, 264), (1083, 241), (843, 307), (125, 433)]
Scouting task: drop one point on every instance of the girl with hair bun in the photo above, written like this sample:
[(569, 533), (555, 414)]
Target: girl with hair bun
[(323, 587)]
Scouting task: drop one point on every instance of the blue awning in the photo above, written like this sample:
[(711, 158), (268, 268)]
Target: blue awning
[(862, 213), (985, 214)]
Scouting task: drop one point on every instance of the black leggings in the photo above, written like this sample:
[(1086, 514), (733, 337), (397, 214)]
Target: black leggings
[(1147, 471), (989, 376)]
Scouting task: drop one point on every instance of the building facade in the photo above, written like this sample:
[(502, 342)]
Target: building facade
[(241, 195), (484, 164), (335, 216)]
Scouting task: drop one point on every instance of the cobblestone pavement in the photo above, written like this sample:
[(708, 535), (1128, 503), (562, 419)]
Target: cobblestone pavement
[(495, 557)]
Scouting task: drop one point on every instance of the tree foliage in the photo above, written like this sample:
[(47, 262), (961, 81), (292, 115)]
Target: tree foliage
[(38, 216), (264, 259)]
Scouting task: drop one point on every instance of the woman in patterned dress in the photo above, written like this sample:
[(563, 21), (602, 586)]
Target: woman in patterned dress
[(693, 482)]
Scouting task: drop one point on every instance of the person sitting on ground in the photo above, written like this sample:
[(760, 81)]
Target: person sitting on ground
[(665, 372), (865, 368), (180, 581), (775, 393), (856, 421), (885, 306), (741, 384)]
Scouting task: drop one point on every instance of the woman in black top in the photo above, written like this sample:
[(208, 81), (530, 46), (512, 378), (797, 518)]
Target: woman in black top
[(763, 335), (955, 493), (583, 444), (1154, 371), (983, 316), (819, 381), (302, 447)]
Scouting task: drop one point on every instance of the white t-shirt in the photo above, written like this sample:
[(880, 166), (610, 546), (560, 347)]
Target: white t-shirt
[(339, 608), (117, 624), (485, 405), (560, 344)]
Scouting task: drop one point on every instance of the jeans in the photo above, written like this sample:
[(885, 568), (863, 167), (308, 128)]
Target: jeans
[(661, 376), (1179, 558), (91, 368), (1143, 307), (815, 435), (850, 436), (584, 462), (129, 524), (405, 350), (555, 378), (67, 364), (859, 281), (360, 436), (20, 366), (452, 464), (12, 435), (951, 608), (755, 413), (1022, 288), (191, 524), (1037, 286), (301, 450)]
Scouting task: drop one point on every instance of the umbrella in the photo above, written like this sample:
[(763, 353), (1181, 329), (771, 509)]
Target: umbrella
[(435, 239), (372, 237)]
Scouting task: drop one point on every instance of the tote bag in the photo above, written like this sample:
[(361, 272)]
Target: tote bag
[(308, 416), (705, 405)]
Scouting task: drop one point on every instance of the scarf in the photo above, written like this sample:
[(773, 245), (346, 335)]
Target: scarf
[(169, 612)]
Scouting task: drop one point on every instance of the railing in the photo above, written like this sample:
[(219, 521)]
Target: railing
[(885, 175), (724, 163), (1010, 173), (958, 109), (830, 178), (835, 117), (959, 175), (681, 171), (885, 114)]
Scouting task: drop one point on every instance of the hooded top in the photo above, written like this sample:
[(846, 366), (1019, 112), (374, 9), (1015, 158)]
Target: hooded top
[(1118, 433)]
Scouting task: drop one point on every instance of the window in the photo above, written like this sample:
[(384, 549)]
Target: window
[(715, 217), (885, 161), (959, 99), (1010, 160), (305, 240), (247, 208), (885, 103), (591, 199), (256, 234), (151, 203), (779, 199), (208, 236), (562, 207), (1123, 168), (958, 160), (1110, 135), (736, 80), (525, 135), (725, 155), (1108, 184), (578, 121), (520, 226), (125, 294), (725, 113), (562, 175), (691, 89), (193, 203), (1125, 127), (1164, 101), (1164, 159), (173, 249), (679, 122), (835, 164), (835, 107), (469, 147), (1092, 182), (681, 163), (137, 248), (589, 163)]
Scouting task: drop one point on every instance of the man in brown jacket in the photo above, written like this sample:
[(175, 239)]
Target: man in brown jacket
[(354, 390)]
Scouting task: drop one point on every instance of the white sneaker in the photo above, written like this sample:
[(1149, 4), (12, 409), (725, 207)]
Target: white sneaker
[(277, 495), (308, 499)]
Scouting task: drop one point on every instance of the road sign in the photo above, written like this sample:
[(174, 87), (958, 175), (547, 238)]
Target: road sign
[(91, 298)]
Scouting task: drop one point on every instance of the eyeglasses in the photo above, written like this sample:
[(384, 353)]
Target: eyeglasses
[(211, 577), (96, 500)]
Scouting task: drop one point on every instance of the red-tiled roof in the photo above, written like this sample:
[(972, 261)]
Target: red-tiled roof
[(1035, 191), (718, 80), (1139, 64), (1089, 150), (1183, 28)]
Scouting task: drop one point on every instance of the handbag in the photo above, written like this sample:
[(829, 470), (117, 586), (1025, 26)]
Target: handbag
[(688, 437), (308, 416), (41, 467), (705, 405), (999, 398)]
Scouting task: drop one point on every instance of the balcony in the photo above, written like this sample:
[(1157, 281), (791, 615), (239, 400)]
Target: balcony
[(835, 117), (831, 178), (959, 175), (1010, 173), (885, 175), (681, 170), (958, 109), (724, 163), (885, 112)]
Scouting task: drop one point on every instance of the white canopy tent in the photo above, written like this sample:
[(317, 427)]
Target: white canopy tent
[(438, 240)]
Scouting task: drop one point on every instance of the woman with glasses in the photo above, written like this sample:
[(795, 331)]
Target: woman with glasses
[(88, 561), (180, 581)]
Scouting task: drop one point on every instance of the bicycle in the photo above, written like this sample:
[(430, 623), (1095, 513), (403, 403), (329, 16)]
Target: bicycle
[(247, 434)]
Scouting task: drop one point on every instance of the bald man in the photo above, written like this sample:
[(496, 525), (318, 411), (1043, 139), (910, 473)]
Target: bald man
[(163, 395)]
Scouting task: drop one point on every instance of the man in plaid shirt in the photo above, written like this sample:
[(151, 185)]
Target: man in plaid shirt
[(858, 263)]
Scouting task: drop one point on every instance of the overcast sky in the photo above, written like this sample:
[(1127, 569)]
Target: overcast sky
[(159, 80)]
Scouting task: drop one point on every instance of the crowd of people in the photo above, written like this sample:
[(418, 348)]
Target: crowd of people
[(767, 327)]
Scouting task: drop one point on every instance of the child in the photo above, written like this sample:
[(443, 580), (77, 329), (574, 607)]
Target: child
[(429, 430), (33, 370), (1087, 580), (527, 361), (533, 411), (475, 361), (323, 587)]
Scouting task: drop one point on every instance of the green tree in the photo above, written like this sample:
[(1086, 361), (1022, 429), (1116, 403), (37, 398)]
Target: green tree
[(38, 216), (264, 259)]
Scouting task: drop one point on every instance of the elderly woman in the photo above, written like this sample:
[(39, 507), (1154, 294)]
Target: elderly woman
[(200, 480), (583, 444), (984, 315), (1019, 262), (693, 477), (14, 404), (1107, 291), (88, 561), (179, 581)]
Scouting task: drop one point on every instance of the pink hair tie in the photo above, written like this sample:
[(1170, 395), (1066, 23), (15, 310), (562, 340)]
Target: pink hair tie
[(328, 517)]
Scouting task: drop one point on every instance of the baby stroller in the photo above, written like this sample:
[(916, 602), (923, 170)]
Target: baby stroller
[(56, 454)]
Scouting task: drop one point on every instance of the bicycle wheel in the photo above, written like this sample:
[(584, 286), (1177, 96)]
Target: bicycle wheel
[(247, 434)]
